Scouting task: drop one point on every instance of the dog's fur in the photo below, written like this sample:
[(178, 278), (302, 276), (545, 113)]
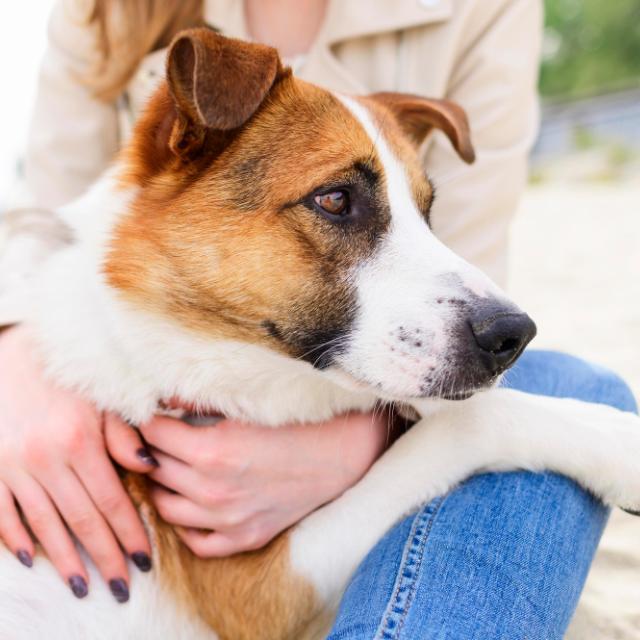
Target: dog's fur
[(203, 268)]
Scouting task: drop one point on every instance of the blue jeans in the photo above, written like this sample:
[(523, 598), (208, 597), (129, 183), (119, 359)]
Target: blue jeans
[(502, 557)]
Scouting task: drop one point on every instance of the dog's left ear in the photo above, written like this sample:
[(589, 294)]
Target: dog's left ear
[(419, 116), (217, 83)]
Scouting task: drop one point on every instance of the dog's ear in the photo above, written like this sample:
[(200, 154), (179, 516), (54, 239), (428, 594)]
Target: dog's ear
[(419, 116), (216, 83)]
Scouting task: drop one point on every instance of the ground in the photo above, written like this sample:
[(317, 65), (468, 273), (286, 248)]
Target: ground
[(575, 268)]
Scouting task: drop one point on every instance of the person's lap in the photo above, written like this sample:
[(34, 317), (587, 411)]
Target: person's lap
[(502, 557)]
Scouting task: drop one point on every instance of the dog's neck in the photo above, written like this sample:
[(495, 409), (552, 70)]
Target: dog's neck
[(127, 360)]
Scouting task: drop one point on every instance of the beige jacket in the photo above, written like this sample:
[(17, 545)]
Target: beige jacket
[(480, 53)]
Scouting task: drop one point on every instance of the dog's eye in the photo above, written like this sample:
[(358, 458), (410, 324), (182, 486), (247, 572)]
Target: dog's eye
[(335, 203)]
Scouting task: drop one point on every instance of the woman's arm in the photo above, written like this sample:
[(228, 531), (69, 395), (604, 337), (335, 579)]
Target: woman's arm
[(494, 78), (54, 468), (73, 135), (55, 471)]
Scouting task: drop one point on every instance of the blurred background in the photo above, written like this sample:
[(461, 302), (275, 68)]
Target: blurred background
[(590, 83), (576, 253), (22, 43), (575, 259)]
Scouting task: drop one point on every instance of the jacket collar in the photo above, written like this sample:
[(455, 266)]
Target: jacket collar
[(350, 19), (345, 19)]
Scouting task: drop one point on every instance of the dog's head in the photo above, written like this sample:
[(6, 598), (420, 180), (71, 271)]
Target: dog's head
[(274, 212)]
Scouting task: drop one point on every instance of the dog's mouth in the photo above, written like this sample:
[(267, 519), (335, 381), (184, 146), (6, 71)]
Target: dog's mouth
[(454, 377), (354, 383)]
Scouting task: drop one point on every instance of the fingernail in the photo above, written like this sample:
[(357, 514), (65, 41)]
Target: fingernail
[(119, 589), (145, 455), (25, 558), (141, 560), (79, 586)]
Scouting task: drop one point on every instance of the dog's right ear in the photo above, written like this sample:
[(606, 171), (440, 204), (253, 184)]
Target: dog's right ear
[(216, 83), (418, 116)]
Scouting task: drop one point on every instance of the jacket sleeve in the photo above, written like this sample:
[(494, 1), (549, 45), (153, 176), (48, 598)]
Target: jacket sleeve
[(28, 237), (73, 135), (495, 79)]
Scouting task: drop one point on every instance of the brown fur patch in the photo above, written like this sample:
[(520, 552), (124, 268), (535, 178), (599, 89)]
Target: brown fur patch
[(225, 244), (244, 597)]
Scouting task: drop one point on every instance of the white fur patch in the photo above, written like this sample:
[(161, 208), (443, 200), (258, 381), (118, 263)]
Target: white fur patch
[(36, 604)]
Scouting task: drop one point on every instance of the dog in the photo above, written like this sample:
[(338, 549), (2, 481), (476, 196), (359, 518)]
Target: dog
[(263, 246)]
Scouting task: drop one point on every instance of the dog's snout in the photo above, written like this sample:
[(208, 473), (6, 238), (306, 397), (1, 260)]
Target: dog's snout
[(501, 337)]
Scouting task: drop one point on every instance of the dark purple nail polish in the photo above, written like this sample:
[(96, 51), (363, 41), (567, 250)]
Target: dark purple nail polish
[(119, 589), (79, 586), (25, 558), (141, 560), (145, 455)]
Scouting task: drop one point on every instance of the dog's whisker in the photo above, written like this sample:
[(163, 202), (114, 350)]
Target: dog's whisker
[(334, 342), (321, 345)]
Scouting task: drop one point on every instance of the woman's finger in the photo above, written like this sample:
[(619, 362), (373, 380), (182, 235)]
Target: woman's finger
[(12, 529), (101, 481), (91, 530), (54, 537), (126, 446), (177, 438), (183, 512), (182, 478), (212, 544)]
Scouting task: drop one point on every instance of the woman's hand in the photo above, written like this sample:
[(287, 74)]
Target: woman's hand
[(234, 486), (54, 466)]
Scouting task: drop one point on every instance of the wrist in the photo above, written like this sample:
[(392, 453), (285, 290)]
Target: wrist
[(359, 439)]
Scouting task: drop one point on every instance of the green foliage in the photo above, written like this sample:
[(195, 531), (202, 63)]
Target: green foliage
[(584, 139), (590, 46)]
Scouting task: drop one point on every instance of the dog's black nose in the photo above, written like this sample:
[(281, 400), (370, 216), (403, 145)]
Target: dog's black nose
[(501, 337)]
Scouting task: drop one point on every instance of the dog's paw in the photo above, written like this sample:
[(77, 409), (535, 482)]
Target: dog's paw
[(620, 473)]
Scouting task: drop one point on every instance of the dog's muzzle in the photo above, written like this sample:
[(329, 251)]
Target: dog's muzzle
[(491, 337)]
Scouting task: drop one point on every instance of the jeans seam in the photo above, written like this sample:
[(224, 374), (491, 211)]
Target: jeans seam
[(398, 606)]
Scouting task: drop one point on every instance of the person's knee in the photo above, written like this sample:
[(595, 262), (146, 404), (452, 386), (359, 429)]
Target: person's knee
[(562, 375), (613, 390)]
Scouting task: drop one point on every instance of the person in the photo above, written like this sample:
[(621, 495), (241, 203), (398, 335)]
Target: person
[(503, 555)]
